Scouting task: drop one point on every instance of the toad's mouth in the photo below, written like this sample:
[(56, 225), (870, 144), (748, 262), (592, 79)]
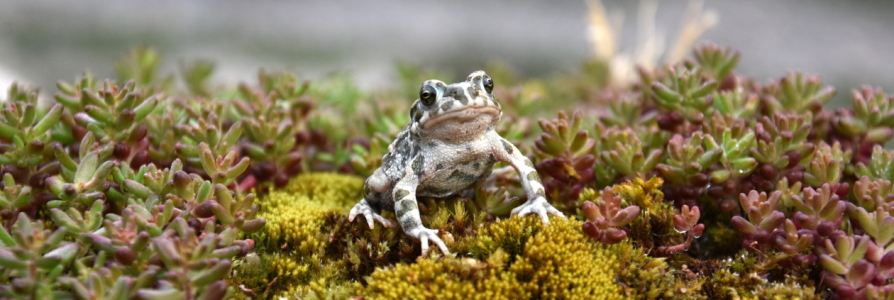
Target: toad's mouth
[(461, 115)]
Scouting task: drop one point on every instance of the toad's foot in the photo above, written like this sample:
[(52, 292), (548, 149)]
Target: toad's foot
[(537, 206), (425, 235), (363, 207)]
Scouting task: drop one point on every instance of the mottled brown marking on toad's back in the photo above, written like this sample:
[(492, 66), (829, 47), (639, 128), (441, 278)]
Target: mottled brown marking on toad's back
[(418, 165), (462, 177)]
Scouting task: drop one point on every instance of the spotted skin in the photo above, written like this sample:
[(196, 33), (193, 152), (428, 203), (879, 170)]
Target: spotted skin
[(507, 146), (449, 146), (528, 162)]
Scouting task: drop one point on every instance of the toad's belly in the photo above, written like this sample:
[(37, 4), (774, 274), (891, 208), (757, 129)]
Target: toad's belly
[(450, 180)]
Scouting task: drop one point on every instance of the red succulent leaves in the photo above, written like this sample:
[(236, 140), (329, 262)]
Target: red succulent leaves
[(604, 218)]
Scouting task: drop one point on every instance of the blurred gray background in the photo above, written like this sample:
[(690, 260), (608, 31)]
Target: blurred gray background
[(847, 43)]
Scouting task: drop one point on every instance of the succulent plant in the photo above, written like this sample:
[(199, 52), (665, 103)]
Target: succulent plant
[(851, 270), (819, 210), (27, 150), (736, 103), (273, 117), (624, 153), (871, 119), (605, 217), (26, 135), (879, 166), (797, 93), (685, 222), (34, 257), (686, 92), (871, 194), (81, 183), (828, 165), (566, 149), (717, 62), (114, 226), (763, 218), (366, 161), (686, 160)]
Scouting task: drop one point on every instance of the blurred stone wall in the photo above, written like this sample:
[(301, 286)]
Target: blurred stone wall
[(848, 43)]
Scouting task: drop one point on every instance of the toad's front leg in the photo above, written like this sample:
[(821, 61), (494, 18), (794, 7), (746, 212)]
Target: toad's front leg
[(530, 180), (407, 210), (374, 186)]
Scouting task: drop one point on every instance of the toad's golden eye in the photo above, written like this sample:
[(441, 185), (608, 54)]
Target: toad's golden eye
[(427, 94), (488, 84)]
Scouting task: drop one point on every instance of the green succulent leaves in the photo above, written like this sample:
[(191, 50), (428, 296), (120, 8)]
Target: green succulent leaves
[(685, 91)]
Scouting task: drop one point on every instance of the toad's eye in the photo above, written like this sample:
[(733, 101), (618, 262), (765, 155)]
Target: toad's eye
[(427, 94), (488, 84)]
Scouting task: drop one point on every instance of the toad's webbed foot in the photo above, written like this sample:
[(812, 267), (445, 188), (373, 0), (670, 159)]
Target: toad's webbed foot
[(369, 213), (538, 206), (425, 235)]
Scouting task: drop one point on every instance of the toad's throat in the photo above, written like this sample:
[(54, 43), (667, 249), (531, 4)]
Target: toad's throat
[(462, 115)]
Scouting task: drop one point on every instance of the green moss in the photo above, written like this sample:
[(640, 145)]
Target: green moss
[(296, 214), (791, 288), (654, 227), (557, 261), (738, 278), (291, 268), (647, 277), (333, 189), (448, 278), (319, 288), (722, 239), (290, 276), (293, 257), (641, 192), (253, 273), (510, 235), (310, 278), (561, 262)]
